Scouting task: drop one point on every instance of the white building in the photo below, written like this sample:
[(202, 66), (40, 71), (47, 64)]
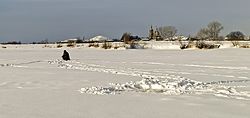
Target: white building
[(69, 40)]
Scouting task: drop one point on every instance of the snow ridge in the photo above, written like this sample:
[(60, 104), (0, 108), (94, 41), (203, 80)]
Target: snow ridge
[(167, 86), (155, 82)]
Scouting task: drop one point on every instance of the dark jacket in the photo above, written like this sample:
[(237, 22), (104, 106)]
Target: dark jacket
[(65, 56)]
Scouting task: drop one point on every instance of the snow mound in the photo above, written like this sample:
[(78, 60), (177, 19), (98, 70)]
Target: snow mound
[(99, 39), (166, 86)]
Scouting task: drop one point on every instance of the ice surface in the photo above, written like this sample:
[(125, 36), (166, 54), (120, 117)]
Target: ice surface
[(36, 83)]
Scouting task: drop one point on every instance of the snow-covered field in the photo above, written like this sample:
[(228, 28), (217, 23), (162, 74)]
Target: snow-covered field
[(97, 83)]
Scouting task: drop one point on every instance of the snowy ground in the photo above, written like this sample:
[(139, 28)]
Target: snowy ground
[(96, 83)]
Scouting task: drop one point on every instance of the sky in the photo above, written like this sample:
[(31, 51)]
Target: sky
[(36, 20)]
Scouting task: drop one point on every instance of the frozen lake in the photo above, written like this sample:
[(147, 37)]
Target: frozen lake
[(36, 83)]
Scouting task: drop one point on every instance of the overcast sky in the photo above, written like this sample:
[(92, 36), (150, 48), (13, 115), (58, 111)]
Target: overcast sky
[(36, 20)]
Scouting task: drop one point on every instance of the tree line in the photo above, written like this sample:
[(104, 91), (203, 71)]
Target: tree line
[(210, 32)]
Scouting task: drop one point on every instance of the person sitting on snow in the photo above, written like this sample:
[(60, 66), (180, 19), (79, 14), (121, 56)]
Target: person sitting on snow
[(65, 56)]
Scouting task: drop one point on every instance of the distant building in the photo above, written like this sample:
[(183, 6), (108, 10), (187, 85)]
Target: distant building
[(74, 40), (68, 40), (151, 33), (180, 37), (154, 34)]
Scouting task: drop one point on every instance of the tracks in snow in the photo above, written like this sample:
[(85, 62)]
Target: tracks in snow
[(19, 64)]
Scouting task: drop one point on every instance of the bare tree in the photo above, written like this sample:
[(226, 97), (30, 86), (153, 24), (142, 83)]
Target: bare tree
[(214, 28), (211, 32), (168, 32), (202, 34)]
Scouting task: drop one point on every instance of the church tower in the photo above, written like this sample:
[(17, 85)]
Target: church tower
[(151, 33)]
